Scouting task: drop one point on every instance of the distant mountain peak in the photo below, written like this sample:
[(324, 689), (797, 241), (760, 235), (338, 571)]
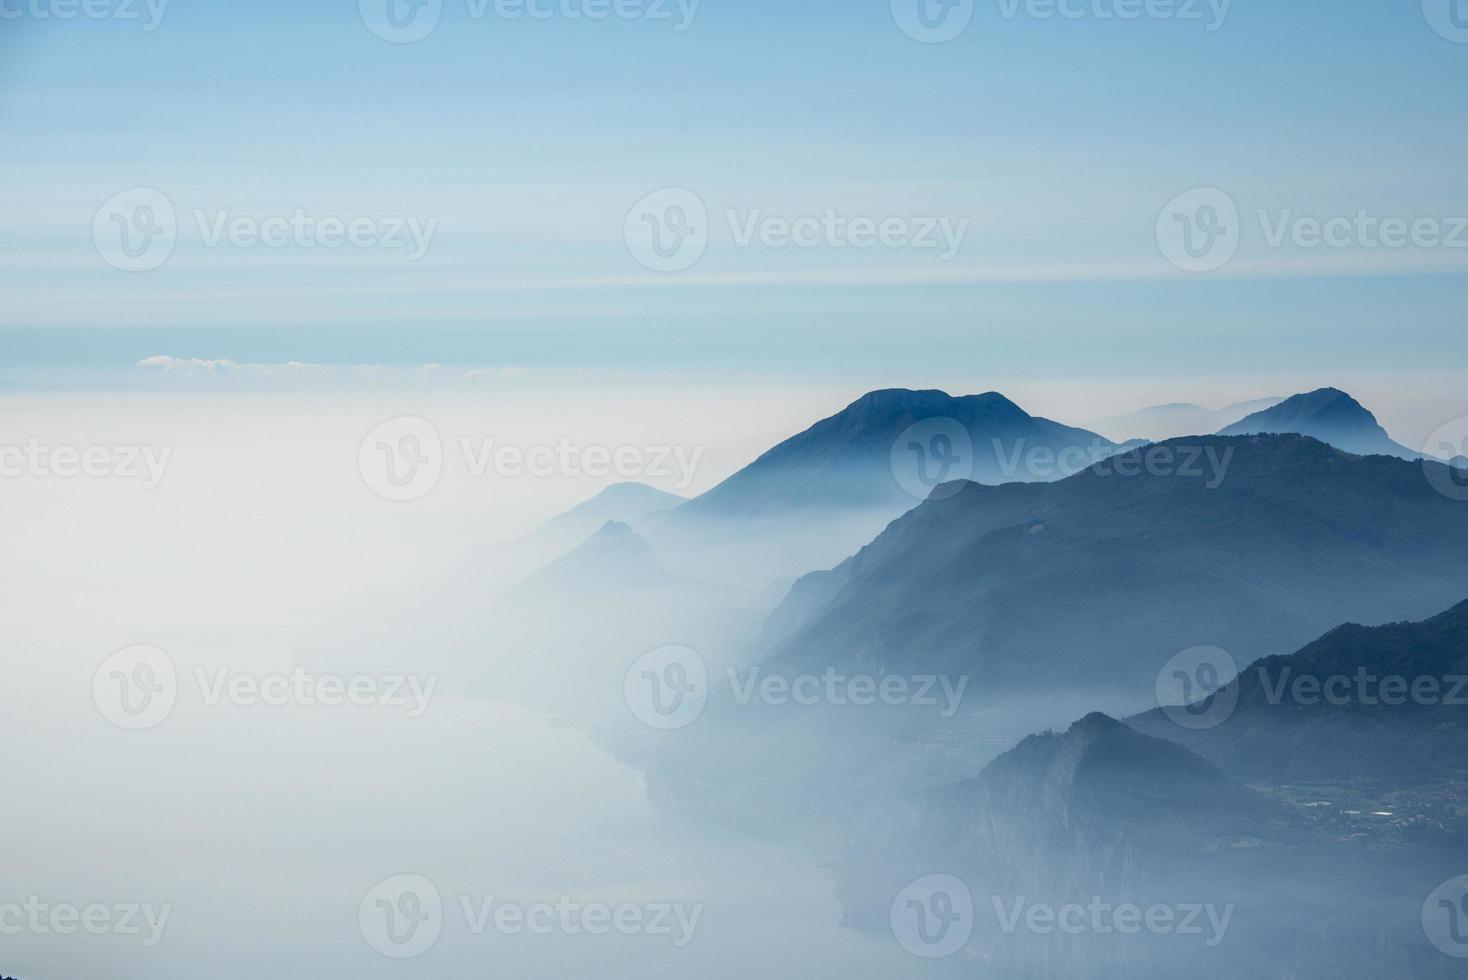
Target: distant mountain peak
[(1321, 401), (616, 535), (615, 554), (926, 402), (627, 501), (1328, 414), (846, 460)]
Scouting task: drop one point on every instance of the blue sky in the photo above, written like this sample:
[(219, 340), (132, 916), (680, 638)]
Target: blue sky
[(1054, 142)]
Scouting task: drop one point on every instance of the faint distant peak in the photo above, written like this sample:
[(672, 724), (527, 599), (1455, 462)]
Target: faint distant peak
[(1328, 414)]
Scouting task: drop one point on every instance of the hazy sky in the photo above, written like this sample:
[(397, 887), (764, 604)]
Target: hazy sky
[(519, 147)]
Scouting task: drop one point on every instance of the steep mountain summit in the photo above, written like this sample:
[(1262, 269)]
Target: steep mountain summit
[(1327, 414), (847, 460), (818, 496), (1098, 777)]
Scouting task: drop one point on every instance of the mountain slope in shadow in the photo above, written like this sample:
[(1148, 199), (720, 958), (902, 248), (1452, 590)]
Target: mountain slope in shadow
[(1380, 703), (1255, 544)]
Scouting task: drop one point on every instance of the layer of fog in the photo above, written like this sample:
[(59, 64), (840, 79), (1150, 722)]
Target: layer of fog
[(263, 827)]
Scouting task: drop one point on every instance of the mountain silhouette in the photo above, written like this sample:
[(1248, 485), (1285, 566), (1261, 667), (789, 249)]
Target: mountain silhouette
[(1384, 701), (1327, 414), (813, 499), (1096, 811), (1253, 543), (624, 502), (563, 638), (1089, 799), (846, 460), (614, 557)]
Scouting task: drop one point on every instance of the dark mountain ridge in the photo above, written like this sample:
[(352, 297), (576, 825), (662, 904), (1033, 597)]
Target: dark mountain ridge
[(1378, 702), (1253, 543)]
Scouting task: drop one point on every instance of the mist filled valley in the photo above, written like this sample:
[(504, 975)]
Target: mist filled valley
[(668, 489), (1100, 719)]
